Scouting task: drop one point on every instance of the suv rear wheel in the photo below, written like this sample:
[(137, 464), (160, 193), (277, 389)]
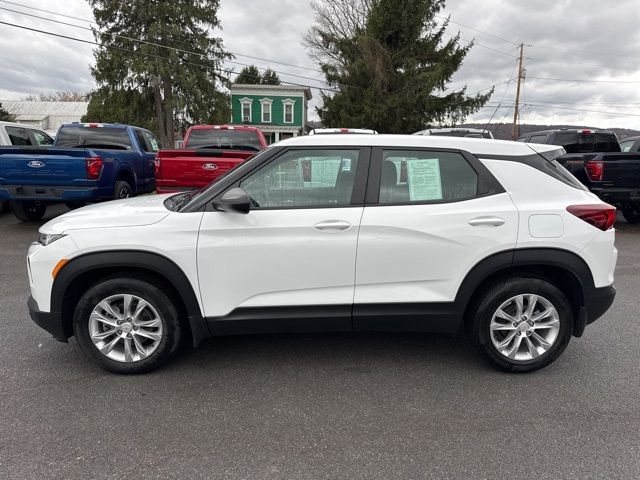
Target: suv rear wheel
[(127, 325), (522, 324)]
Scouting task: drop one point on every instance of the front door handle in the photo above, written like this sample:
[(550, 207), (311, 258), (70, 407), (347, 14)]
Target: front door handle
[(332, 226), (486, 222)]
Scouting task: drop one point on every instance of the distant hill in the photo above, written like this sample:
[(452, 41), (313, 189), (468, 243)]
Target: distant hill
[(503, 130)]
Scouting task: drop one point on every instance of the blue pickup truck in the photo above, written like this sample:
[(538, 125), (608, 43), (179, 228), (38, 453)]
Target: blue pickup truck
[(89, 162)]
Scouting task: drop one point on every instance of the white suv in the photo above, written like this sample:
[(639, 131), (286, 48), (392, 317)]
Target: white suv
[(338, 233)]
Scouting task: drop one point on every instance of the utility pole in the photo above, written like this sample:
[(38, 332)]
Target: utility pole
[(516, 111)]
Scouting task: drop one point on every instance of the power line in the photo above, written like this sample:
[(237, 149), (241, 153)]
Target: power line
[(469, 42), (150, 55), (476, 30), (146, 42), (586, 81), (556, 107)]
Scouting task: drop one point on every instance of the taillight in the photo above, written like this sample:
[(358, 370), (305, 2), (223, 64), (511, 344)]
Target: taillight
[(94, 168), (156, 167), (595, 170), (600, 216)]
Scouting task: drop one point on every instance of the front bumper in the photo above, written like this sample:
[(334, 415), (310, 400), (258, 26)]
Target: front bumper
[(49, 321)]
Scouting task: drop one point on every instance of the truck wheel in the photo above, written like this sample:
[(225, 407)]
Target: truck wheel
[(127, 325), (29, 211), (631, 215), (122, 190), (522, 324)]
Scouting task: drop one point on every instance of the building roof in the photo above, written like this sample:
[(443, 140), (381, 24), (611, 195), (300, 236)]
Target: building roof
[(38, 109), (273, 89), (477, 146)]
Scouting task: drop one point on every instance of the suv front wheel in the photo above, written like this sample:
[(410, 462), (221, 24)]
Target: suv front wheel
[(522, 324), (128, 325)]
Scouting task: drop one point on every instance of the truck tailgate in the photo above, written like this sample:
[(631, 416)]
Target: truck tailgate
[(41, 166), (622, 170), (183, 168)]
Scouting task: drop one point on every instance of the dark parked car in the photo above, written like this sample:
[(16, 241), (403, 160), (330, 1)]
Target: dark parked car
[(608, 168)]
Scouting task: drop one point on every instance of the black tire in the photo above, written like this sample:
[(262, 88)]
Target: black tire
[(631, 215), (153, 294), (29, 211), (494, 296), (5, 207), (122, 189), (74, 205)]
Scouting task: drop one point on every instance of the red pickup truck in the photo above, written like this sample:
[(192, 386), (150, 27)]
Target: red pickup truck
[(208, 152)]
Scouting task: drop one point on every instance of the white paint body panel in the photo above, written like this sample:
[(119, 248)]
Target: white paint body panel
[(421, 253), (410, 253), (276, 257)]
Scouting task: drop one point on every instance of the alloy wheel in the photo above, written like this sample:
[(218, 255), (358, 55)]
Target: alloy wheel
[(125, 328), (524, 327)]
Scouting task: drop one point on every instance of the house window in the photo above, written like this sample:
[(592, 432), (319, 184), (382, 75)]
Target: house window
[(288, 110), (246, 109), (266, 110)]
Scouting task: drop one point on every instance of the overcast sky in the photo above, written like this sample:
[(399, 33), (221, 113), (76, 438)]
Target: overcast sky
[(564, 39)]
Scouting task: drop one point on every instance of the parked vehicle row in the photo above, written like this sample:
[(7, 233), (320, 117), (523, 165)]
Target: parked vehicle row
[(609, 169), (449, 233)]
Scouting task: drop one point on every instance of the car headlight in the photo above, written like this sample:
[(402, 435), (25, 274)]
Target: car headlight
[(48, 238)]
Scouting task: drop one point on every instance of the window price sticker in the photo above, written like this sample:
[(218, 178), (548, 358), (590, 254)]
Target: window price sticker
[(424, 179)]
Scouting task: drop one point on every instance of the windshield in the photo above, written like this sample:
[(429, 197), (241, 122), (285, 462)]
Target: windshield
[(462, 133), (227, 139), (108, 138)]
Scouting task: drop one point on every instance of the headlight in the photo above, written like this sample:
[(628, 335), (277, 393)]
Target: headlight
[(48, 238)]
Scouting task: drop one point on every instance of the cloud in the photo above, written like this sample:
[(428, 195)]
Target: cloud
[(564, 39)]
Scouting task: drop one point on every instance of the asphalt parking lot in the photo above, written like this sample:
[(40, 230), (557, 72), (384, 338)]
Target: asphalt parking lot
[(319, 406)]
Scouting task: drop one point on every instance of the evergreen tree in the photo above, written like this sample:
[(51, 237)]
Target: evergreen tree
[(184, 82), (249, 76), (390, 65), (5, 116), (269, 77), (127, 105)]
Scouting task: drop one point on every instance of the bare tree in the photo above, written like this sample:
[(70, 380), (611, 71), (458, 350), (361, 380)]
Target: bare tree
[(340, 19), (60, 96)]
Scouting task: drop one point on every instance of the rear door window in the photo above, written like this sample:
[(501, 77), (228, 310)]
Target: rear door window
[(627, 145), (415, 176), (18, 136)]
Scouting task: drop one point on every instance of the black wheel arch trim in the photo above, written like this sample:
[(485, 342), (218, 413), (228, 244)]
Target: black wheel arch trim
[(565, 260), (135, 259)]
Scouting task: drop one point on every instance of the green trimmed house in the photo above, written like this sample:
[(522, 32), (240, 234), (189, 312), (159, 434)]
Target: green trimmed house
[(280, 111)]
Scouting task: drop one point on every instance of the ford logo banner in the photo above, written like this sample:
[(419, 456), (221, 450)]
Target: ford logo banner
[(35, 164), (209, 166)]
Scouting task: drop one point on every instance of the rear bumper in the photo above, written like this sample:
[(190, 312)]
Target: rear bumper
[(47, 193), (49, 321), (596, 302)]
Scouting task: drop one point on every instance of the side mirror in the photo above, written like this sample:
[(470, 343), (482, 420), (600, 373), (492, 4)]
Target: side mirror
[(235, 200)]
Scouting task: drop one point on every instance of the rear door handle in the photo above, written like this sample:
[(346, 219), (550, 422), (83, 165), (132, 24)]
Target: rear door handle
[(486, 222), (332, 226)]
